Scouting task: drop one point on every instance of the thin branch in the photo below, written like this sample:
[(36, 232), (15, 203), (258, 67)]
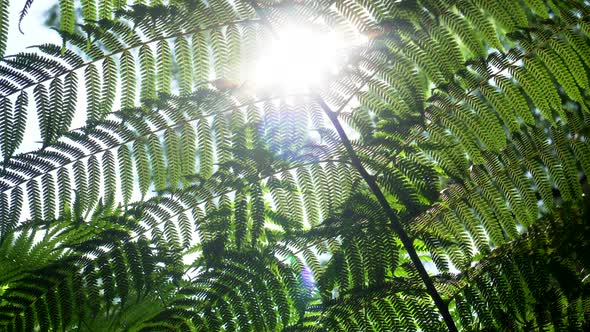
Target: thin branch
[(392, 216)]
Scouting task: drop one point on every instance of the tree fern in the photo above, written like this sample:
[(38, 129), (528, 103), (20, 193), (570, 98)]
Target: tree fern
[(436, 182)]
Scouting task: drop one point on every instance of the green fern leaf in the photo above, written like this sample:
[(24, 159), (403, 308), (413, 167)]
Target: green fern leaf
[(538, 7), (49, 189), (240, 219), (186, 229), (70, 98), (19, 124), (89, 11), (34, 200), (64, 193), (258, 215), (126, 172), (109, 86), (556, 66), (148, 72), (81, 182), (105, 9), (184, 61), (220, 54), (205, 149), (67, 16), (157, 163), (6, 124), (108, 164), (571, 60), (142, 166), (92, 81), (172, 157), (188, 151), (128, 80), (94, 181), (481, 23), (121, 274), (43, 113), (163, 67), (4, 23)]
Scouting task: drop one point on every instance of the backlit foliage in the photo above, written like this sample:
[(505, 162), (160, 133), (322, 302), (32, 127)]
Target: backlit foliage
[(188, 202)]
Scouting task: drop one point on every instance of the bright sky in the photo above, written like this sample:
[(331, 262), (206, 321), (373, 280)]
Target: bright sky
[(34, 30)]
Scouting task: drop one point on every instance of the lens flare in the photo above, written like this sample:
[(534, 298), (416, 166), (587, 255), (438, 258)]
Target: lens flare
[(299, 58), (307, 277)]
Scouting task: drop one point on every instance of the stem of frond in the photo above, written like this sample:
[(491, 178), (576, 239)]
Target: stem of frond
[(394, 222)]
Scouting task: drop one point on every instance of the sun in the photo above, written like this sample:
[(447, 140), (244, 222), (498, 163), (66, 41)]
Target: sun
[(300, 58)]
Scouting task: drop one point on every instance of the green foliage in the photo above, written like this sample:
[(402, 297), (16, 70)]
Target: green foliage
[(188, 202)]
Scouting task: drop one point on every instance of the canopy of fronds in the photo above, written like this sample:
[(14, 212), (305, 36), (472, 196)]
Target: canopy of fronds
[(437, 181)]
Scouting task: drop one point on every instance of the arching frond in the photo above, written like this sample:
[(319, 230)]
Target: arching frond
[(437, 180)]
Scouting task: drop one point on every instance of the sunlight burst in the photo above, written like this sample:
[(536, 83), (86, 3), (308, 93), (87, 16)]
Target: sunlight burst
[(300, 58)]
